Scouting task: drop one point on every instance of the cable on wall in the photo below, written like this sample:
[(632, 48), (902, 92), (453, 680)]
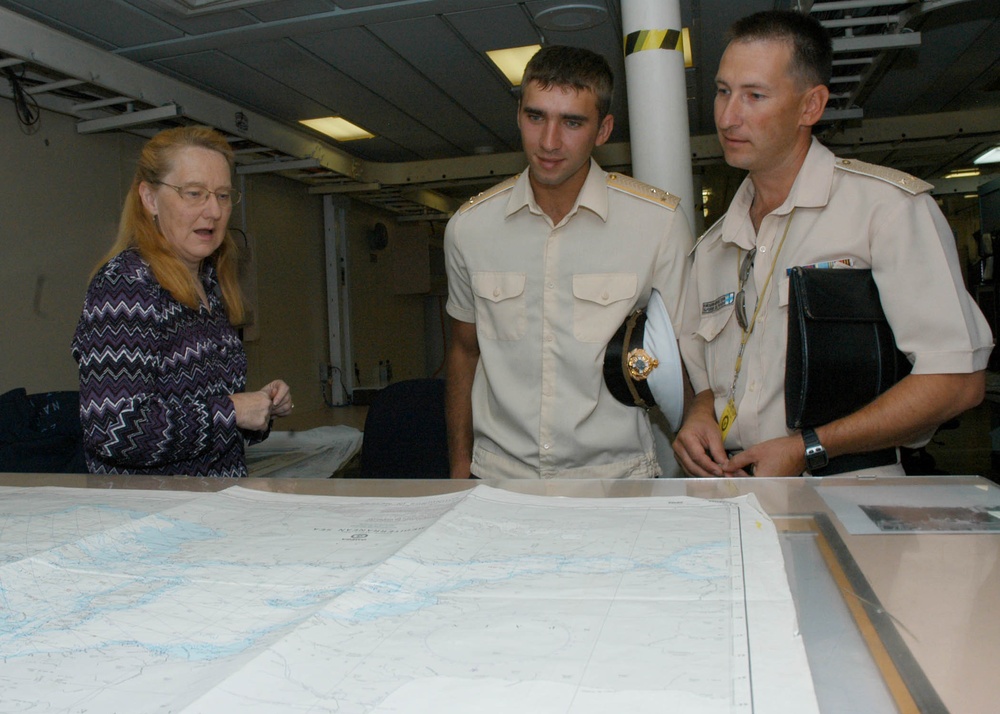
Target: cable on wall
[(28, 114)]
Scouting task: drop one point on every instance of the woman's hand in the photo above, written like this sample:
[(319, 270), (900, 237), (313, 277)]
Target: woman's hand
[(254, 410), (281, 398)]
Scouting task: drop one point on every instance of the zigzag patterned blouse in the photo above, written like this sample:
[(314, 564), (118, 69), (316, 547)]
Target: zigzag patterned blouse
[(155, 375)]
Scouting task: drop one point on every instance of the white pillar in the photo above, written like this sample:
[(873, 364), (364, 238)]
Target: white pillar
[(657, 98)]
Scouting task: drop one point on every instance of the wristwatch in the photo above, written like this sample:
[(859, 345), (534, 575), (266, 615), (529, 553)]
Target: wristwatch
[(816, 457)]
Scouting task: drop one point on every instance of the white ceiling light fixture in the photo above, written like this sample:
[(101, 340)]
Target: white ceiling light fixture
[(511, 61), (338, 128), (988, 157), (571, 17)]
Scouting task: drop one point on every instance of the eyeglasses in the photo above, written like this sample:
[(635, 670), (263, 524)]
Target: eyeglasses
[(198, 195), (741, 308)]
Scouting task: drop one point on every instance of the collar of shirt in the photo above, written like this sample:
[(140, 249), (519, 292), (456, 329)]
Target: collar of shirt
[(811, 189), (593, 196)]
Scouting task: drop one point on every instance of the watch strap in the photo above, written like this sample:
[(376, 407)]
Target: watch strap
[(816, 456)]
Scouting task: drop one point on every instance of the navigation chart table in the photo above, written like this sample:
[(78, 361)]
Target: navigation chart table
[(251, 601)]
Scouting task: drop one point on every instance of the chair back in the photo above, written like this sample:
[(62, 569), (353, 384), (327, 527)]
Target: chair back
[(405, 434), (41, 433)]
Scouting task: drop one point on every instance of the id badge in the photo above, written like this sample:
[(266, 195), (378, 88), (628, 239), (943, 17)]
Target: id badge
[(727, 418)]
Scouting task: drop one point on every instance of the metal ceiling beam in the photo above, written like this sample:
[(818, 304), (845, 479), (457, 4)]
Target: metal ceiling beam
[(101, 103), (345, 188), (873, 43), (128, 119), (850, 5), (433, 200), (970, 184), (832, 115), (53, 86), (946, 126), (267, 167), (36, 43)]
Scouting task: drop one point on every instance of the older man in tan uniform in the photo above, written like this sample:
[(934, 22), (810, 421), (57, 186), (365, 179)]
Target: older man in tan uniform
[(801, 206)]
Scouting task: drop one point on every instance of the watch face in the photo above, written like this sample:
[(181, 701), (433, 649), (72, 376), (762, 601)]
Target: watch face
[(816, 457)]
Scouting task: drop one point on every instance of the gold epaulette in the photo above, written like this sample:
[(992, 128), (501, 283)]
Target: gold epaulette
[(489, 193), (899, 179), (643, 190)]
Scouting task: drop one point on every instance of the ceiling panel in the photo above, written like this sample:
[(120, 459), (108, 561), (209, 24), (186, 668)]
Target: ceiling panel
[(506, 25), (940, 73), (107, 23), (415, 73), (361, 55), (244, 82), (431, 45)]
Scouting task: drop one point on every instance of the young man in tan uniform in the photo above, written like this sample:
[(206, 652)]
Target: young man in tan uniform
[(542, 270), (802, 206)]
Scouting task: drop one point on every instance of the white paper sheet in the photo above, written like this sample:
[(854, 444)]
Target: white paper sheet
[(482, 600), (315, 453)]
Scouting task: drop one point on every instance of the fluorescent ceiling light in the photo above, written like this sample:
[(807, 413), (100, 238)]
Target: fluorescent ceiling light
[(337, 127), (990, 157), (963, 173), (512, 61)]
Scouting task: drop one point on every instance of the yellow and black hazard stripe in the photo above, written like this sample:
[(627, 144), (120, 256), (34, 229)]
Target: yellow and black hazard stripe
[(654, 40)]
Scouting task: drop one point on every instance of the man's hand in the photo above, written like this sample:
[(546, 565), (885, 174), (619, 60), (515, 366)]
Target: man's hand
[(785, 456), (698, 444)]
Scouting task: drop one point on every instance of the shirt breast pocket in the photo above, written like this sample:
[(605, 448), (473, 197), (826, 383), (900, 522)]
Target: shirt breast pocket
[(601, 302), (500, 305), (718, 358)]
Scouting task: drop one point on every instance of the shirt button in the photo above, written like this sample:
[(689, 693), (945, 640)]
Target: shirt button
[(552, 285), (496, 292), (762, 249), (546, 446), (605, 295)]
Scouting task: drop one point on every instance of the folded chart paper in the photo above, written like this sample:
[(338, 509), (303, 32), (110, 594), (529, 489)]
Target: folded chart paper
[(482, 600)]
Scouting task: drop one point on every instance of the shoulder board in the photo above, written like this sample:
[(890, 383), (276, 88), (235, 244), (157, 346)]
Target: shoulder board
[(489, 193), (705, 234), (635, 187), (910, 184)]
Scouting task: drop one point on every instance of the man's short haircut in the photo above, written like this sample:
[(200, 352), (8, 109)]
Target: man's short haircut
[(812, 49), (562, 66)]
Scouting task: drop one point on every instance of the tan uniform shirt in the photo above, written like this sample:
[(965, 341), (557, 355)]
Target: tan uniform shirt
[(545, 300), (844, 217)]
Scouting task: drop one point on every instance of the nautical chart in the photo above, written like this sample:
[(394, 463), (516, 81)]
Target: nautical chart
[(482, 600)]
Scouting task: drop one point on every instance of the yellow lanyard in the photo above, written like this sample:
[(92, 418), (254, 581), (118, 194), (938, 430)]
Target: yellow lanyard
[(729, 413)]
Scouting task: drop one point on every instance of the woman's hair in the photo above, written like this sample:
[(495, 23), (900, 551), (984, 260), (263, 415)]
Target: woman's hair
[(137, 229)]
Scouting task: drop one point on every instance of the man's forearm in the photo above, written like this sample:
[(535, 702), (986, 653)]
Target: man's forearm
[(462, 360), (458, 414), (915, 406)]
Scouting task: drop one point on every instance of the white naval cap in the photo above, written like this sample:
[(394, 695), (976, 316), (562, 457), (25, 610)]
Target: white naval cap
[(642, 365)]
